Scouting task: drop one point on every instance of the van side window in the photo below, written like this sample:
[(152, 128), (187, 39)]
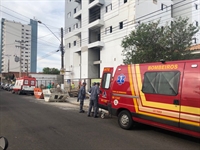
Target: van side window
[(106, 80), (25, 81), (165, 83)]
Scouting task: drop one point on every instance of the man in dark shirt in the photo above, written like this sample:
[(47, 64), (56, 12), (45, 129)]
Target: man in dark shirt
[(81, 97), (91, 105)]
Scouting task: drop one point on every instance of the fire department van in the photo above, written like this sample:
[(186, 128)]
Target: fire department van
[(162, 94), (24, 85)]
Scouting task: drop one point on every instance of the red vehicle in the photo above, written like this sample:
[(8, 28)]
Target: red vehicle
[(162, 94), (24, 85)]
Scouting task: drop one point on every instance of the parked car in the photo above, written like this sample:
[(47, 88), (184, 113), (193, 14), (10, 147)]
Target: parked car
[(10, 87), (5, 86), (2, 85)]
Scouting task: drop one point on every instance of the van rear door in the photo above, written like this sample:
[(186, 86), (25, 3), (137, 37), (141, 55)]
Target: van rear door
[(105, 92), (190, 97)]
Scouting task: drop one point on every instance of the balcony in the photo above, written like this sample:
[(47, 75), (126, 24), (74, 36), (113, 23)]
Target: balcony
[(76, 32), (97, 44), (95, 24), (78, 1), (77, 15), (96, 3)]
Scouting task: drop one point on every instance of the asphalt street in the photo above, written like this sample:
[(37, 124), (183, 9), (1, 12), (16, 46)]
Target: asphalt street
[(31, 124)]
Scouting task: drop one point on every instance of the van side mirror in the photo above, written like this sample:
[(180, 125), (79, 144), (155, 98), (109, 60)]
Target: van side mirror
[(3, 143)]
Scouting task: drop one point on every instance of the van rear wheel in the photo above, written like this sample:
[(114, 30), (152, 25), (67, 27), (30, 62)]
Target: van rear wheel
[(125, 120)]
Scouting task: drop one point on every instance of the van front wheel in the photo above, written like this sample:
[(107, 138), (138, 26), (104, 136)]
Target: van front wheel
[(125, 120)]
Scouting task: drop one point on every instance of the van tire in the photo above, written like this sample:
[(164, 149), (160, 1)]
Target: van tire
[(125, 120)]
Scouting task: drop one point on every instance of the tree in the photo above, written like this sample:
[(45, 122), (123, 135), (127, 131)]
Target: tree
[(48, 70), (151, 42)]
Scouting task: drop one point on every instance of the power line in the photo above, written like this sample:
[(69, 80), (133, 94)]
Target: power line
[(28, 40), (22, 15)]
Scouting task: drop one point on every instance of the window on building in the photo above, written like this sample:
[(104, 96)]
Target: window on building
[(165, 83), (69, 29), (121, 25), (121, 2), (197, 23), (69, 45), (106, 30), (196, 6), (74, 43), (74, 10), (155, 1), (172, 13), (75, 26), (194, 40), (109, 8), (110, 29), (69, 15), (164, 7)]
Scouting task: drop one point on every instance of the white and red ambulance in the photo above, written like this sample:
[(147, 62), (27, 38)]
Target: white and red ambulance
[(24, 85)]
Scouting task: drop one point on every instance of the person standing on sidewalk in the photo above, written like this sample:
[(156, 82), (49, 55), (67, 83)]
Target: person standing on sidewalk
[(81, 97), (92, 97), (97, 91)]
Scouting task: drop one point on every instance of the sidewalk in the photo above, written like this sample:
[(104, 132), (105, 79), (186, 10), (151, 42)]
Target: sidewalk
[(73, 100)]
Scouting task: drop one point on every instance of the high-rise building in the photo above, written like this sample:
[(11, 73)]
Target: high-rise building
[(94, 29), (18, 46)]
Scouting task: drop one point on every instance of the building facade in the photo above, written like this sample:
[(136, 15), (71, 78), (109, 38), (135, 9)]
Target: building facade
[(18, 51), (94, 29)]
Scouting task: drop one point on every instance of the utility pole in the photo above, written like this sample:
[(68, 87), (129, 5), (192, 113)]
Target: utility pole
[(62, 54)]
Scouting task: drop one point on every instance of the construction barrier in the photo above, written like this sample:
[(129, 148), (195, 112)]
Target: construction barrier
[(38, 93), (54, 97)]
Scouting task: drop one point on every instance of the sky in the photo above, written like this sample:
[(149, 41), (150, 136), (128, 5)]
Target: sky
[(51, 13)]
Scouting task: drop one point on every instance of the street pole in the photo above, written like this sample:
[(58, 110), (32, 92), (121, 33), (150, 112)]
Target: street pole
[(61, 48), (62, 54)]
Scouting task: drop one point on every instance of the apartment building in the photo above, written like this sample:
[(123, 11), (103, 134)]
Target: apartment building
[(94, 29), (18, 46)]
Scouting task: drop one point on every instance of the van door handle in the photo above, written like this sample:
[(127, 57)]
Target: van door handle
[(176, 102)]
